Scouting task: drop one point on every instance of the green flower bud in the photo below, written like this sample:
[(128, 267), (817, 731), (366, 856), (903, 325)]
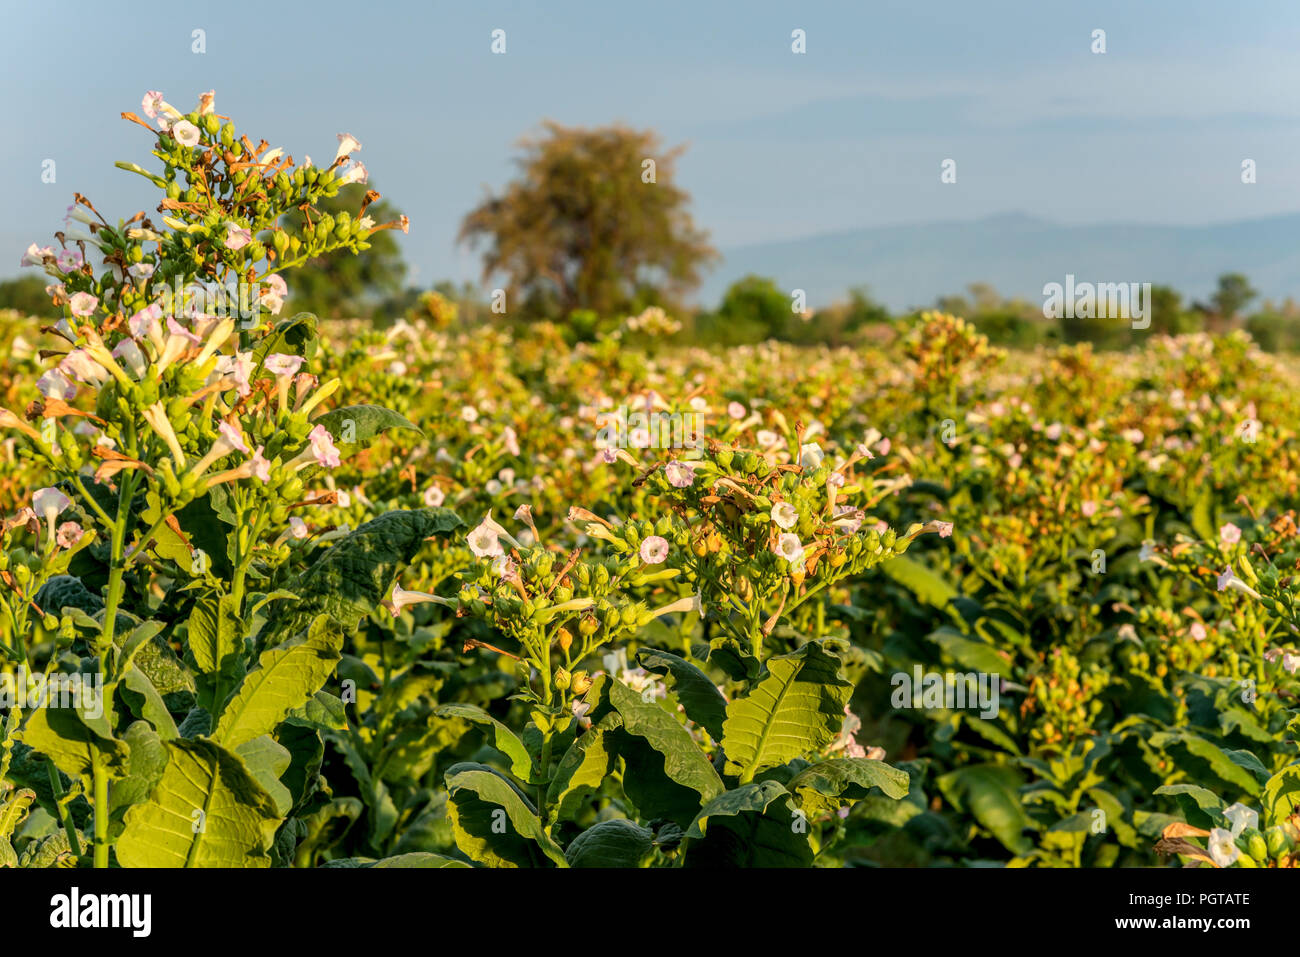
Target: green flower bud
[(1278, 841), (561, 679), (1256, 845)]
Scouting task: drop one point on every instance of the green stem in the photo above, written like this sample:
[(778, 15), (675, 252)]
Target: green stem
[(65, 816), (117, 566), (101, 814)]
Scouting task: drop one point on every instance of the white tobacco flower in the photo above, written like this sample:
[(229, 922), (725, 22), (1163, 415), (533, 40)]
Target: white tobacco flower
[(785, 515), (790, 548), (1223, 849)]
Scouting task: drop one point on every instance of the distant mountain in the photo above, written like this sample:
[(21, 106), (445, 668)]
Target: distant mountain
[(907, 266)]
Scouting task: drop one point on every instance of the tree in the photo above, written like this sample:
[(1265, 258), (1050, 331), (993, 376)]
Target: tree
[(590, 223), (1232, 295), (753, 309), (343, 286)]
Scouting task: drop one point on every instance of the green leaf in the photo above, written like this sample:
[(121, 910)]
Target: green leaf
[(266, 760), (286, 677), (323, 711), (928, 586), (1202, 757), (152, 707), (991, 794), (354, 425), (1282, 794), (1201, 806), (501, 737), (206, 811), (66, 591), (616, 843), (968, 653), (494, 823), (353, 576), (700, 697), (797, 708), (665, 773), (754, 825), (145, 765), (215, 634), (72, 741), (294, 335), (584, 768), (826, 785), (419, 859)]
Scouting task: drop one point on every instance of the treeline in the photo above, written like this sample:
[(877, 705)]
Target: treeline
[(755, 309)]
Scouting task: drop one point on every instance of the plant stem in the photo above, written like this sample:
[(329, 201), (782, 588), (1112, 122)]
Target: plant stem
[(101, 813), (65, 816)]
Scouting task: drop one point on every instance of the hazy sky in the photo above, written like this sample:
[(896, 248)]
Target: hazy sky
[(850, 134)]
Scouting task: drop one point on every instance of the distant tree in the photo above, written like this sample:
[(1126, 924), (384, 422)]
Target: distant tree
[(753, 309), (28, 296), (581, 228), (348, 286), (1232, 295)]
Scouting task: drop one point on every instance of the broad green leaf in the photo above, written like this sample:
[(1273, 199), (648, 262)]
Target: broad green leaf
[(72, 742), (215, 635), (353, 576), (754, 825), (354, 425), (797, 708), (1204, 756), (286, 677), (205, 811), (494, 823), (499, 736), (991, 794), (293, 335), (665, 773), (66, 591), (146, 648), (419, 859), (266, 760), (826, 785), (146, 762), (152, 707), (585, 766), (699, 696), (1282, 794), (968, 653), (1115, 813), (616, 843), (929, 587), (323, 711)]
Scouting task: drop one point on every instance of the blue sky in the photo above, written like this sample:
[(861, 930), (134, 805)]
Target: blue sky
[(850, 134)]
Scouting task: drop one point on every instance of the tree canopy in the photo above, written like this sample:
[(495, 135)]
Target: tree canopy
[(594, 220)]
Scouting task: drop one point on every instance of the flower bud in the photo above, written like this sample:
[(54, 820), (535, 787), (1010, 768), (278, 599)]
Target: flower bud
[(565, 639), (561, 679), (588, 626), (581, 683)]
